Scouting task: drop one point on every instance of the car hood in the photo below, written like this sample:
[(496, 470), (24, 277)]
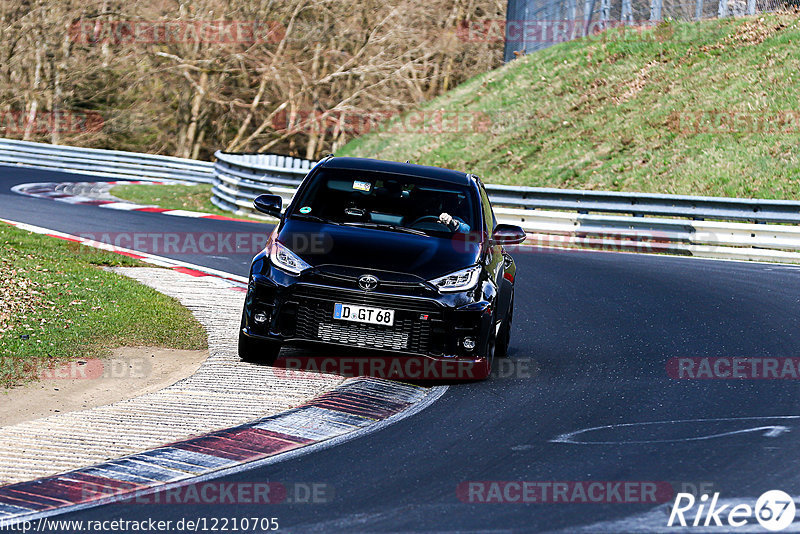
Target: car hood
[(425, 256)]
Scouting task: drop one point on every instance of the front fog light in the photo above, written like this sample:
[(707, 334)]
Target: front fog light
[(260, 317), (468, 343)]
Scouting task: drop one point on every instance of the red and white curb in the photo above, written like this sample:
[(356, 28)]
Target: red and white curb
[(358, 406), (236, 283), (97, 194)]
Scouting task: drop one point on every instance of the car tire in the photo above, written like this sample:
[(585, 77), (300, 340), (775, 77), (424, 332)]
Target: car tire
[(257, 350), (491, 348), (504, 336)]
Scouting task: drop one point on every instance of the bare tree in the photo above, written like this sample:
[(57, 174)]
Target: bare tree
[(187, 78)]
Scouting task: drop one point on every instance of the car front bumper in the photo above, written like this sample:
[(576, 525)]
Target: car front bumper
[(428, 335)]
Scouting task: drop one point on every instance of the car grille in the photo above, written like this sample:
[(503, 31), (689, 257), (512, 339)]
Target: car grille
[(408, 334), (363, 336)]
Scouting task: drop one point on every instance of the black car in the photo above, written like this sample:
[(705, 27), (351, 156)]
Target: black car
[(401, 259)]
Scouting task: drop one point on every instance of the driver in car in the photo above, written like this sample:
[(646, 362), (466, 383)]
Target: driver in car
[(455, 223), (428, 205)]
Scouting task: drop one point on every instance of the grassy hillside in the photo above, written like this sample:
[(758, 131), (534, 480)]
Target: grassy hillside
[(709, 108)]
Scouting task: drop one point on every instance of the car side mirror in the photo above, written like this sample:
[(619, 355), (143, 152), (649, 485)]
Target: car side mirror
[(269, 204), (508, 234)]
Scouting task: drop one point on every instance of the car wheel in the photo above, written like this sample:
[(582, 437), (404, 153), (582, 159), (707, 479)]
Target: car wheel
[(504, 336), (257, 351), (491, 346)]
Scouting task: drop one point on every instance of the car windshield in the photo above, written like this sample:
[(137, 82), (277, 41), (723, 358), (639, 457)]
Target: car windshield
[(388, 202)]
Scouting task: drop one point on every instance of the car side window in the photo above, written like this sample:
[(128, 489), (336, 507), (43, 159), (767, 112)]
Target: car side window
[(488, 213)]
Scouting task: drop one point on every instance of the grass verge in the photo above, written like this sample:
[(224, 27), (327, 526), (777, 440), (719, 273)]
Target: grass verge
[(704, 108), (174, 197), (57, 305)]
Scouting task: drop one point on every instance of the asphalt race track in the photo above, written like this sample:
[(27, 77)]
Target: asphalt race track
[(592, 336), (77, 219)]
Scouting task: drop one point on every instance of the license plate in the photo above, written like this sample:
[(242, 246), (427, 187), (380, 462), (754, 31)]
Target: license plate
[(363, 314)]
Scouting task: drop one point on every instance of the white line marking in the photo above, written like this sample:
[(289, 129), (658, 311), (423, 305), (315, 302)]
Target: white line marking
[(125, 206), (771, 431), (185, 213)]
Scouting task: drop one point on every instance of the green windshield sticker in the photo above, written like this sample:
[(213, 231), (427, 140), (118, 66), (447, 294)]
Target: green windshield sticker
[(305, 209)]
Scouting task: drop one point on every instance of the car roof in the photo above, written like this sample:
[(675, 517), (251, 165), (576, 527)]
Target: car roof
[(394, 167)]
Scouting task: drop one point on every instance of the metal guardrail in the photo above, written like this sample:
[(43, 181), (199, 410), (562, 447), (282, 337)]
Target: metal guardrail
[(239, 178), (732, 228), (105, 163), (648, 204)]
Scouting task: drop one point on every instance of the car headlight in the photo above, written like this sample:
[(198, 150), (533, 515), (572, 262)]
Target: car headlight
[(287, 260), (458, 281)]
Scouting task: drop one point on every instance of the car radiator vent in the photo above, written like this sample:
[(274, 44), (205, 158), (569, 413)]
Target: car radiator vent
[(363, 336), (315, 322)]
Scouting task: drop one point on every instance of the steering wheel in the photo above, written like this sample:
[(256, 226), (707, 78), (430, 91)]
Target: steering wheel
[(428, 219)]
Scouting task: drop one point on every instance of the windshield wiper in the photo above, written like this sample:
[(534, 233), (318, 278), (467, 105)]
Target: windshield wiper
[(310, 217), (389, 227)]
